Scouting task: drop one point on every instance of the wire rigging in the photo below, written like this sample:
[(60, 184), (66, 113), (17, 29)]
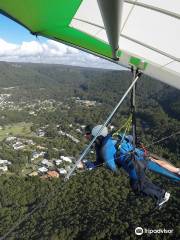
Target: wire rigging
[(164, 138)]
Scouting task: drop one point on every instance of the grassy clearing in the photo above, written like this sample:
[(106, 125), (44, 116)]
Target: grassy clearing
[(20, 129)]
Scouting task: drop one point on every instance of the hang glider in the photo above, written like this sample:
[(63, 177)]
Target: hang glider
[(144, 33)]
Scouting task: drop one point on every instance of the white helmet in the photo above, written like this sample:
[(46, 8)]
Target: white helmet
[(96, 129)]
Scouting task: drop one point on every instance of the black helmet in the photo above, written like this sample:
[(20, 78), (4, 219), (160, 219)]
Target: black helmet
[(88, 129)]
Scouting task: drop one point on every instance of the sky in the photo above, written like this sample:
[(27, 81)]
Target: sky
[(17, 44)]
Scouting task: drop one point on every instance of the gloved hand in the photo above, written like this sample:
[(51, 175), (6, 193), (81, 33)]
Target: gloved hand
[(89, 165)]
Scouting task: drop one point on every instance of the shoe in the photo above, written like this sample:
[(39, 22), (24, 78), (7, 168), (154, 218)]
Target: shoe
[(178, 172), (164, 199)]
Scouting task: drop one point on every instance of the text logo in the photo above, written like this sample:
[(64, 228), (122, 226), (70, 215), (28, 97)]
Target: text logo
[(139, 231)]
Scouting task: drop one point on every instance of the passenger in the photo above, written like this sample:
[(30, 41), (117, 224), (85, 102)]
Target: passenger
[(108, 153), (165, 164)]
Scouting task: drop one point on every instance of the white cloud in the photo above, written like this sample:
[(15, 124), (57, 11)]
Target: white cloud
[(50, 52), (29, 49), (6, 48)]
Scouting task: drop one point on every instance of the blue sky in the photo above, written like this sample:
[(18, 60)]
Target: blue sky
[(12, 32), (17, 44)]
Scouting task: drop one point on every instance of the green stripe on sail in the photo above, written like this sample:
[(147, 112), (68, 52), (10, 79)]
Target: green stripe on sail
[(119, 53), (138, 63), (81, 39), (39, 15)]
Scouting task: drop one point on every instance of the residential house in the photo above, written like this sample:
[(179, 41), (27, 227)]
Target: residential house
[(3, 168), (10, 139), (66, 159), (58, 161), (40, 147), (47, 163), (18, 145), (62, 171), (53, 174), (32, 174), (78, 130), (36, 155), (40, 133), (42, 170), (29, 142), (5, 162)]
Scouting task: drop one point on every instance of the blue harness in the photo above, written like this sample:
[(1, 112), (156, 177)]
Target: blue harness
[(114, 157)]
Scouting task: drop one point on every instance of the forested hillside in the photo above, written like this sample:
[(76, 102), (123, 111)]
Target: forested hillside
[(95, 204)]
